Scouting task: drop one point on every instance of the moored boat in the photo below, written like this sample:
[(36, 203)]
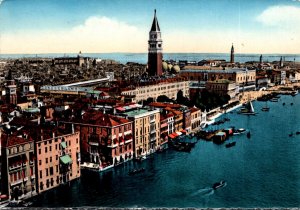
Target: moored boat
[(136, 171), (220, 184), (231, 144), (239, 131)]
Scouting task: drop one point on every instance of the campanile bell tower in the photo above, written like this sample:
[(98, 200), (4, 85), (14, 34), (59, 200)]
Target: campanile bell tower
[(155, 49)]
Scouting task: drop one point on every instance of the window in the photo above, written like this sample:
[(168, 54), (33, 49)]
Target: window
[(46, 160), (41, 185), (50, 159), (41, 174), (50, 148), (56, 158), (46, 150), (40, 151), (57, 169), (51, 171), (47, 172), (40, 162), (55, 146)]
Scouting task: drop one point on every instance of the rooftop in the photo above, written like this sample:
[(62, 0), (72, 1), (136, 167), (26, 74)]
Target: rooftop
[(136, 112)]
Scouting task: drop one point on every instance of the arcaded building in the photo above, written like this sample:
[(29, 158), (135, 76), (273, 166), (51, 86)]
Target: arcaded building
[(168, 87)]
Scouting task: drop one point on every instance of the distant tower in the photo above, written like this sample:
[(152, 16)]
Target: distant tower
[(260, 59), (281, 62), (11, 90), (232, 54), (155, 49)]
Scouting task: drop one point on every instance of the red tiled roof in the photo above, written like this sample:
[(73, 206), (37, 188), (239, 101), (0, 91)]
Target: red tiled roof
[(13, 140), (98, 118), (163, 105), (194, 109)]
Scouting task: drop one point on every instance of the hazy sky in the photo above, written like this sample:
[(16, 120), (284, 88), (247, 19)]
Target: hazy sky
[(98, 26)]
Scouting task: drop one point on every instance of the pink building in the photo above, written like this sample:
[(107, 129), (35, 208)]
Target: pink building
[(57, 159)]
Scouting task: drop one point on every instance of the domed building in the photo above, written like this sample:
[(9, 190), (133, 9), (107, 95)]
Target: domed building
[(165, 66), (176, 69)]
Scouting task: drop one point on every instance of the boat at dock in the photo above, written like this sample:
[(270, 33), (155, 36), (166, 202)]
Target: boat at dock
[(247, 109), (266, 108), (294, 93), (239, 131), (231, 144), (220, 184)]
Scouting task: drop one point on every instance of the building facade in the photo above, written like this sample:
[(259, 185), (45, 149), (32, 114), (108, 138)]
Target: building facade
[(168, 88), (57, 159), (18, 167), (146, 132), (106, 140)]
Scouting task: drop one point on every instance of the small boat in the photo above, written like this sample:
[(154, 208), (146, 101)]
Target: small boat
[(265, 108), (292, 104), (219, 184), (136, 171), (283, 104), (298, 132), (249, 135), (274, 99), (230, 144), (239, 131), (291, 134), (294, 93)]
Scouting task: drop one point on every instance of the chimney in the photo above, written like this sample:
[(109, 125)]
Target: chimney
[(73, 130)]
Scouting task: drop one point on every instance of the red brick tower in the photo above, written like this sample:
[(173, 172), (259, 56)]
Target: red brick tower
[(155, 49)]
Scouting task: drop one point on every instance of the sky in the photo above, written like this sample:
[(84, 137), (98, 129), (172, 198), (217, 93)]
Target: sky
[(194, 26)]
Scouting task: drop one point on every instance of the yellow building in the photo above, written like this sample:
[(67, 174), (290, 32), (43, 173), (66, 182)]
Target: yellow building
[(146, 130)]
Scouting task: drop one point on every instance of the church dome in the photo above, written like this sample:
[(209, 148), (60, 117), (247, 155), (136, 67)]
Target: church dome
[(170, 67), (165, 66), (176, 69)]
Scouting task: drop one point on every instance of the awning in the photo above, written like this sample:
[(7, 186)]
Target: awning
[(179, 133), (120, 108), (175, 134), (63, 145), (132, 105), (183, 131), (66, 159), (172, 136), (164, 125)]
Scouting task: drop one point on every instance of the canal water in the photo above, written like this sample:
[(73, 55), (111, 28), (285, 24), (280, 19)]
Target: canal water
[(263, 171)]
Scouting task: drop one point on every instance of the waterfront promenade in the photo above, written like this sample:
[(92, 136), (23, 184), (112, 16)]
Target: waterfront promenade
[(253, 95)]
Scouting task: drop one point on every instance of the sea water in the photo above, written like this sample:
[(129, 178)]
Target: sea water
[(261, 171)]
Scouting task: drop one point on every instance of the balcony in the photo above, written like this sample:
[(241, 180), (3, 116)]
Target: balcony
[(152, 139), (92, 143), (14, 167)]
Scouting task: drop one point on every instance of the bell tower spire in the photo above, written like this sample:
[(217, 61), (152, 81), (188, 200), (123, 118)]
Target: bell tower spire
[(232, 54), (155, 49)]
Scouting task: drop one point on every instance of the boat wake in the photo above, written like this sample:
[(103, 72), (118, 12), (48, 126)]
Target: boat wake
[(204, 192)]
